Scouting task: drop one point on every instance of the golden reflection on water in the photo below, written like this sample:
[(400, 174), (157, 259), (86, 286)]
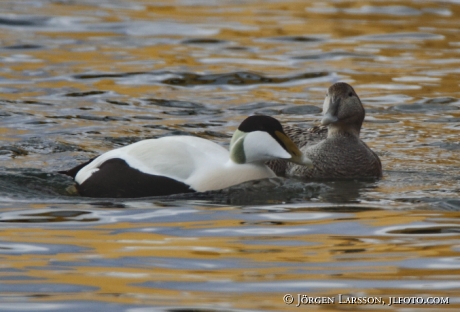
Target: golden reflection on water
[(134, 257), (257, 21)]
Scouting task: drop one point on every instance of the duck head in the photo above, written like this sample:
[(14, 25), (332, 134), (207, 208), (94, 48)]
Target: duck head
[(342, 109), (262, 138)]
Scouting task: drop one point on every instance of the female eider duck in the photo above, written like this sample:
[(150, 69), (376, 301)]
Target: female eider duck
[(182, 164), (334, 148)]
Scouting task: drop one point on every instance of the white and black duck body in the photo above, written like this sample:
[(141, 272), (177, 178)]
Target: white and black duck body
[(335, 148), (182, 164)]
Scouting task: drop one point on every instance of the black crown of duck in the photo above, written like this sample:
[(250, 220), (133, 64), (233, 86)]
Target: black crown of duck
[(182, 164), (335, 149)]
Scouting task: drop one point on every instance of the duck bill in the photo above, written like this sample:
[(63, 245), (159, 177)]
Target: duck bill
[(296, 155), (330, 110)]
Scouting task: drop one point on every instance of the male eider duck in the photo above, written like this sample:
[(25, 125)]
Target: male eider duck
[(182, 164), (335, 147)]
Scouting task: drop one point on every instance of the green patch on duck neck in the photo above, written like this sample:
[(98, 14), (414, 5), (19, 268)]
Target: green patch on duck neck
[(237, 154)]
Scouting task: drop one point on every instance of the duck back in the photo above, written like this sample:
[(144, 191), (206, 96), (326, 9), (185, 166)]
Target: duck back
[(339, 156)]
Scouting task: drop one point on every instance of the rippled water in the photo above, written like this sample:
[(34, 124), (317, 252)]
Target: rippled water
[(78, 78)]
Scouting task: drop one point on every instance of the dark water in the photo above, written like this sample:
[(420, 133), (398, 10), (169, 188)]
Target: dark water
[(78, 78)]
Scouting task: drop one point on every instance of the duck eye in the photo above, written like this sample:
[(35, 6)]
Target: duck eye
[(350, 94)]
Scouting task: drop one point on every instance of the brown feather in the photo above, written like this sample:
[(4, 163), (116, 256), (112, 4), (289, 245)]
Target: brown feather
[(336, 150)]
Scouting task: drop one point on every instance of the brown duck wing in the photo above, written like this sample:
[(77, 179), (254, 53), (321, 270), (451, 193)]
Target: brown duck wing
[(377, 164), (300, 137), (309, 136)]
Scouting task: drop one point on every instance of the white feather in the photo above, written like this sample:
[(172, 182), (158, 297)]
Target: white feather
[(197, 162), (261, 146)]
